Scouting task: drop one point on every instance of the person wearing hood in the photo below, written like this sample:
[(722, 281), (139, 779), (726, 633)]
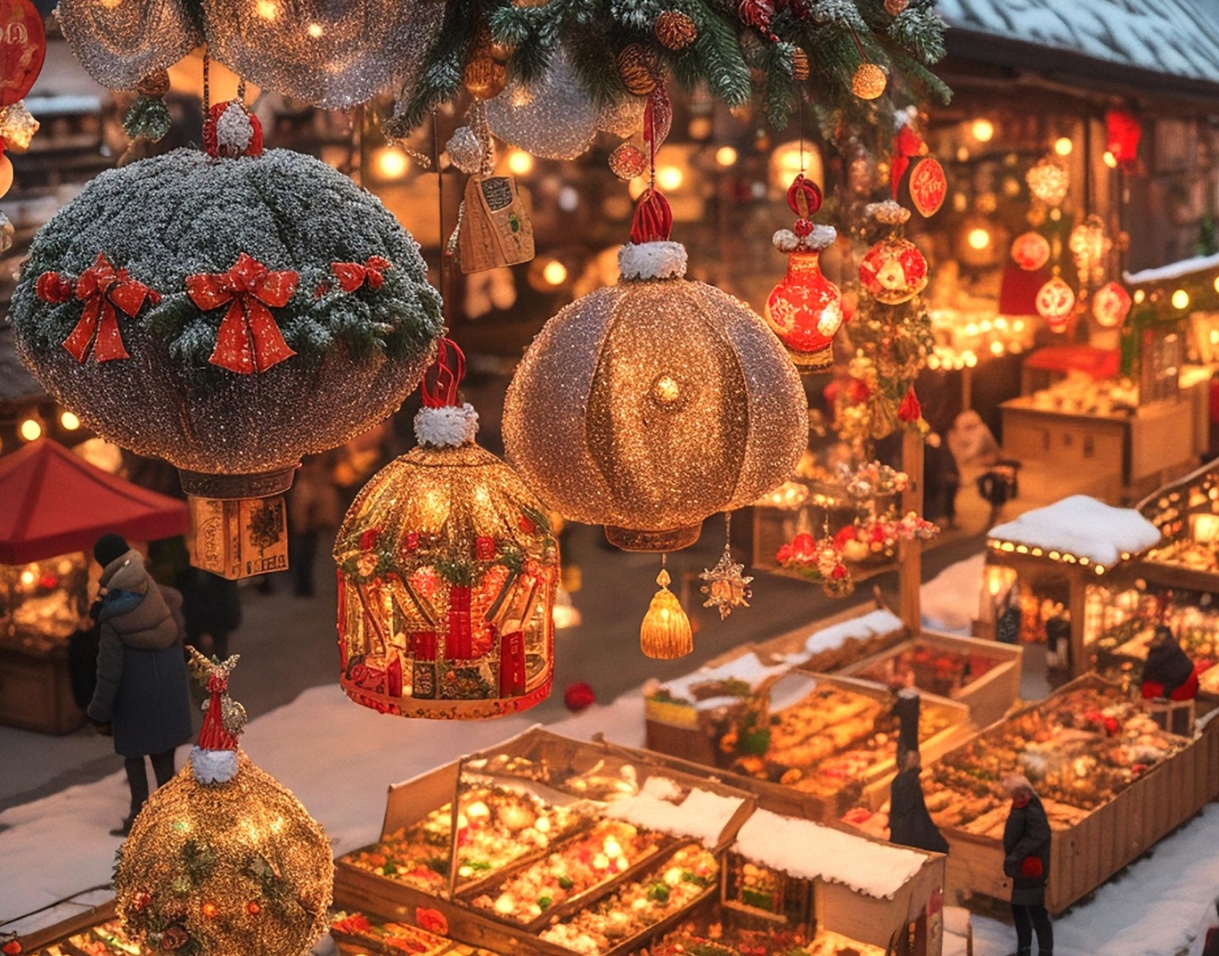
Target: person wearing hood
[(142, 695), (1026, 849), (1168, 673), (910, 823)]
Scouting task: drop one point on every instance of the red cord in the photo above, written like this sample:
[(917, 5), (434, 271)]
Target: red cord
[(442, 379)]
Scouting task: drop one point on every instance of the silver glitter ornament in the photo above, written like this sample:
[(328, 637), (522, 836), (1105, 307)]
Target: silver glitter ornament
[(358, 351), (649, 405), (465, 151), (323, 52), (553, 118), (119, 42), (727, 585)]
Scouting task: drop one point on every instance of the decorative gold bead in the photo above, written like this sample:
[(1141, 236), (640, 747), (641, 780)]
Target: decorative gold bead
[(800, 65), (869, 81)]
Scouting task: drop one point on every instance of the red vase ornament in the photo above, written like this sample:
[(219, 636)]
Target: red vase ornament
[(805, 309)]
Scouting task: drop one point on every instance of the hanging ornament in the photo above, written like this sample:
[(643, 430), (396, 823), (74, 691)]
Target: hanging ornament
[(649, 405), (1055, 302), (801, 67), (805, 309), (447, 574), (896, 7), (23, 50), (332, 55), (893, 270), (484, 77), (223, 858), (906, 145), (121, 43), (1048, 182), (465, 150), (1122, 135), (148, 118), (17, 127), (638, 68), (928, 187), (675, 30), (1110, 305), (1031, 251), (1090, 248), (622, 116), (495, 228), (665, 634), (869, 81), (217, 277), (726, 585), (8, 233), (628, 161), (552, 118)]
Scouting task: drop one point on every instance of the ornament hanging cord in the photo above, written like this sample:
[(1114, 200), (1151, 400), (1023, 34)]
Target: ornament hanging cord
[(444, 292)]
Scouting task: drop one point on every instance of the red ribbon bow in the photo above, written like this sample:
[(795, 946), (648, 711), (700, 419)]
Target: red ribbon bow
[(352, 275), (105, 292), (248, 340)]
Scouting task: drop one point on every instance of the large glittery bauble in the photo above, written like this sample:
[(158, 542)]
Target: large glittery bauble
[(358, 353), (552, 118), (329, 54), (447, 573), (119, 42), (650, 405), (225, 868), (893, 270)]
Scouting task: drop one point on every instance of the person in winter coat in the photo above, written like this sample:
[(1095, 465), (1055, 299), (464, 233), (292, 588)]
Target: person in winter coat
[(906, 708), (142, 687), (1026, 849), (909, 822), (1168, 672), (212, 608)]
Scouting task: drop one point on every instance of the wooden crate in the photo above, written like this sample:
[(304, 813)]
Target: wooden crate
[(989, 697), (36, 692), (837, 658)]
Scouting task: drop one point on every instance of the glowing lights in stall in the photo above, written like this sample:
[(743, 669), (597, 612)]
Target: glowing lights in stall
[(520, 163), (983, 130)]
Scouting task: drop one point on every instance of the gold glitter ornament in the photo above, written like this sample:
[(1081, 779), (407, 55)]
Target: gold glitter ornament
[(484, 77), (552, 118), (628, 161), (649, 405), (675, 30), (665, 633), (869, 81), (639, 68), (17, 127), (119, 42)]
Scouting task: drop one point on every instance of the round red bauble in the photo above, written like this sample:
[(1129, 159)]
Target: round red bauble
[(579, 696), (893, 271)]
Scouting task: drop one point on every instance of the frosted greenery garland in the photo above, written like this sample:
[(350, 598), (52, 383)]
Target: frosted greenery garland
[(183, 213)]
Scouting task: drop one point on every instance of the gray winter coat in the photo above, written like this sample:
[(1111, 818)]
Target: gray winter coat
[(141, 671)]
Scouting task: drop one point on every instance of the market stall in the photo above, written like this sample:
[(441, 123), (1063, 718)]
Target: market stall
[(53, 506)]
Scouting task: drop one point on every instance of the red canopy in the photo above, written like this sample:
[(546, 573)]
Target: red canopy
[(52, 502)]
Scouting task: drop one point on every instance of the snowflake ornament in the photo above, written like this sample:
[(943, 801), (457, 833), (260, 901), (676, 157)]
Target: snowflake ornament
[(727, 586)]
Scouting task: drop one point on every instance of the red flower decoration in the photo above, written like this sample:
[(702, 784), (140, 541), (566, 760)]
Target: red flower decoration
[(803, 547), (248, 339), (484, 548), (432, 920), (105, 292), (844, 535), (579, 696), (352, 275), (368, 539), (839, 572), (412, 540), (11, 948), (527, 525), (910, 410)]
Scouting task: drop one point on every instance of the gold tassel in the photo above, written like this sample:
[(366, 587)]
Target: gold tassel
[(665, 633)]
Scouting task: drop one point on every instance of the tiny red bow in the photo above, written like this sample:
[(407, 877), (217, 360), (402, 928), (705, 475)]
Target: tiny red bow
[(105, 292), (910, 410), (248, 340), (352, 275)]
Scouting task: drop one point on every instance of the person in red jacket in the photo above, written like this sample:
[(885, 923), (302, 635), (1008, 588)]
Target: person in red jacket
[(1026, 850), (1168, 673)]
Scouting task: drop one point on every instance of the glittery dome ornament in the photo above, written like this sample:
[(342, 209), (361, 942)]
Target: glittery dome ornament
[(226, 314), (805, 309), (649, 405), (120, 43), (893, 270), (332, 55), (447, 574), (223, 859), (552, 118)]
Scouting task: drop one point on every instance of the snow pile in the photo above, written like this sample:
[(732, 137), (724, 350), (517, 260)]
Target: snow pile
[(1174, 270), (748, 669), (811, 851), (881, 621), (1081, 526), (701, 816), (950, 599)]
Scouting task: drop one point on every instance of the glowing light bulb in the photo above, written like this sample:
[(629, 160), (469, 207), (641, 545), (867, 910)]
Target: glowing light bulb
[(391, 163), (28, 577), (1063, 146), (1180, 299), (31, 430), (315, 30), (979, 238), (669, 177), (69, 421), (267, 9), (554, 272), (996, 347), (983, 130), (1139, 296), (520, 162), (726, 156), (1110, 159)]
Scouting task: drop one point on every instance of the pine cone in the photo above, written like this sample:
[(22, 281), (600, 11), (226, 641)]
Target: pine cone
[(484, 78), (800, 65), (675, 30), (155, 84), (639, 68), (894, 7)]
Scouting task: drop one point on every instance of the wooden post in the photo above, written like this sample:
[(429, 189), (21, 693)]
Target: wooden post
[(1078, 584), (910, 553)]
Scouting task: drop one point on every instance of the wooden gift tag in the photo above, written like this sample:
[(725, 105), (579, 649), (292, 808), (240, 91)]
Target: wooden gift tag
[(495, 230)]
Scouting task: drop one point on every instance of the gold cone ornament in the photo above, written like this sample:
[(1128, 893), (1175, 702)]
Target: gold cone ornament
[(665, 634)]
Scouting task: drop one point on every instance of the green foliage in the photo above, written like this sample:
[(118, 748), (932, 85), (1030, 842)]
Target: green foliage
[(1207, 244), (148, 119)]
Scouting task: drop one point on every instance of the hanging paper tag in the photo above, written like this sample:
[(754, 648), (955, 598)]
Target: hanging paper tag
[(928, 187), (496, 230)]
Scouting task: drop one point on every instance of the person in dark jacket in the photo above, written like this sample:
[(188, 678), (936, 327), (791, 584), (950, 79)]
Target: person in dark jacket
[(1026, 850), (906, 708), (141, 695), (909, 822), (212, 608), (1168, 672)]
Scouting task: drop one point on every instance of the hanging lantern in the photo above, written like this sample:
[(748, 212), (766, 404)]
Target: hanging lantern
[(1111, 304), (1089, 248), (1122, 135), (120, 43), (229, 316), (665, 634), (1055, 303), (447, 575), (649, 405), (893, 270), (1048, 182), (223, 859), (1031, 251), (805, 309)]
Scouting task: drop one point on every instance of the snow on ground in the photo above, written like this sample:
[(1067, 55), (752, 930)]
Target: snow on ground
[(340, 759), (950, 599)]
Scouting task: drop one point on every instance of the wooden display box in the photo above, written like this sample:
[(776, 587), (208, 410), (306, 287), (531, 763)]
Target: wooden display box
[(834, 659), (36, 692), (1084, 856), (238, 537), (988, 698)]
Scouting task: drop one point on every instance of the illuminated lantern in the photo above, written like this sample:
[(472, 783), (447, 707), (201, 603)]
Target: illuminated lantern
[(223, 859), (1031, 251), (1055, 303), (893, 270), (447, 575), (1049, 182), (1111, 305), (805, 309), (650, 405), (1089, 249), (1122, 134)]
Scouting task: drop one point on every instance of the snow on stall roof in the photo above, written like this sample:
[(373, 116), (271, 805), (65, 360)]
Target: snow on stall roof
[(747, 668), (1174, 270), (701, 816), (1081, 526), (881, 621), (811, 851)]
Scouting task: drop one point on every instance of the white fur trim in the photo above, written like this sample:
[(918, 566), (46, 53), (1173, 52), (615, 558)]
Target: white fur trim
[(234, 131), (785, 240), (652, 260), (213, 766), (822, 237), (888, 212), (448, 425)]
